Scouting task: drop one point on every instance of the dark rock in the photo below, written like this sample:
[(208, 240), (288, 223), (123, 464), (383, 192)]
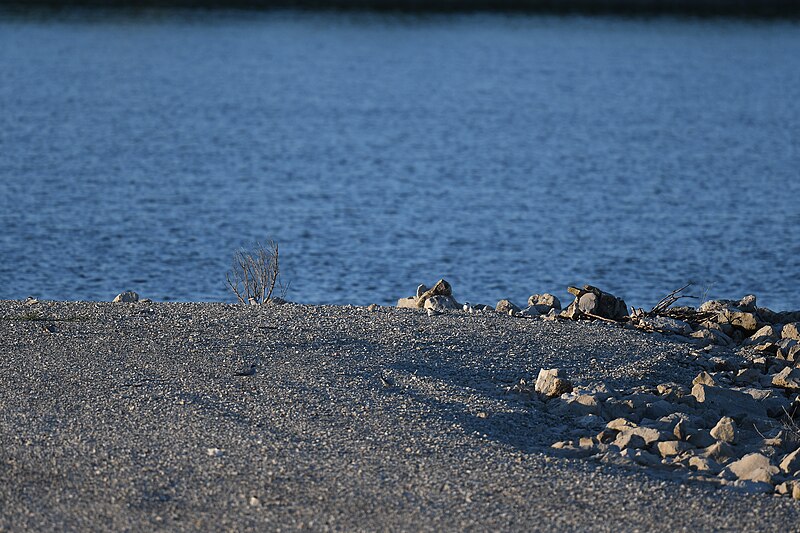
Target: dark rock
[(593, 301)]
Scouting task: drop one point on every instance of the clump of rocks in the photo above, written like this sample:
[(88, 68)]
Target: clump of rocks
[(438, 298), (736, 424)]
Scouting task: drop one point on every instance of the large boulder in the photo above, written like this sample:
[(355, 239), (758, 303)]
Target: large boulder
[(552, 382), (591, 300)]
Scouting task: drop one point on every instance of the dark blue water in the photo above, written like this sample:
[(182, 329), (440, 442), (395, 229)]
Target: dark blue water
[(508, 155)]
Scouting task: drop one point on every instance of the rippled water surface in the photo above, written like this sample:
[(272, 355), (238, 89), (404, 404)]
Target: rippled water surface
[(508, 155)]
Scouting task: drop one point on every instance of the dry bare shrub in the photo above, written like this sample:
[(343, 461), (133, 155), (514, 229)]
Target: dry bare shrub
[(254, 274)]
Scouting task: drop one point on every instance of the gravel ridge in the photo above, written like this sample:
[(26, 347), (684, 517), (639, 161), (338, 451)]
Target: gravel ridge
[(206, 416)]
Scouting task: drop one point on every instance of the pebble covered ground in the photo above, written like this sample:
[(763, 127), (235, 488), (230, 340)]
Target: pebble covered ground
[(199, 416)]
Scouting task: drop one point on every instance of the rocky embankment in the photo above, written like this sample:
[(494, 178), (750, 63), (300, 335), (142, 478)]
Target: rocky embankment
[(736, 423)]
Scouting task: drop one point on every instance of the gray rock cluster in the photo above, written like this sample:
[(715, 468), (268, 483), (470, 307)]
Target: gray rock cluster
[(438, 298), (731, 323), (591, 301), (736, 424)]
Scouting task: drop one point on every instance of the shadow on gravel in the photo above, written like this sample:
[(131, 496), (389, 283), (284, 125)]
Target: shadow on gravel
[(514, 420)]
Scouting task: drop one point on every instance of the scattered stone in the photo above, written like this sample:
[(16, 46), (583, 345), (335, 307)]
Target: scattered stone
[(408, 303), (506, 307), (764, 334), (753, 467), (791, 331), (627, 439), (791, 462), (127, 297), (441, 288), (728, 401), (704, 464), (796, 491), (619, 424), (215, 452), (552, 383), (440, 304), (373, 307), (705, 378), (741, 319), (725, 430), (672, 389), (645, 458), (671, 448), (788, 378), (719, 451), (545, 300)]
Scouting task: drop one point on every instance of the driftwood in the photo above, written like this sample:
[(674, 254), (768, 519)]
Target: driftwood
[(664, 309)]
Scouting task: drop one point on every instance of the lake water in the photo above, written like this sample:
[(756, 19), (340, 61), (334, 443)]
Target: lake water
[(509, 155)]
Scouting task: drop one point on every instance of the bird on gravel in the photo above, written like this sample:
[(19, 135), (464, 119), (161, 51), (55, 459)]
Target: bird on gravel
[(30, 300), (467, 307), (432, 312)]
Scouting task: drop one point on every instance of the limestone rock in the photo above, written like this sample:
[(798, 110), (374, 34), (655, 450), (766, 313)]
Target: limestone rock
[(791, 462), (648, 435), (127, 297), (441, 304), (705, 378), (408, 302), (551, 383), (748, 303), (743, 320), (796, 491), (728, 401), (626, 439), (619, 424), (704, 464), (596, 302), (753, 467), (546, 300), (719, 451), (764, 334), (788, 378), (791, 331), (441, 288), (671, 448), (506, 306), (725, 430)]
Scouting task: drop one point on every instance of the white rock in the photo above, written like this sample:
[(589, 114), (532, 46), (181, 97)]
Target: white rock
[(725, 430), (127, 297)]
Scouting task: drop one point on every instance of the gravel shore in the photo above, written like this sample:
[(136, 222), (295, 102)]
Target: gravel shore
[(200, 416)]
